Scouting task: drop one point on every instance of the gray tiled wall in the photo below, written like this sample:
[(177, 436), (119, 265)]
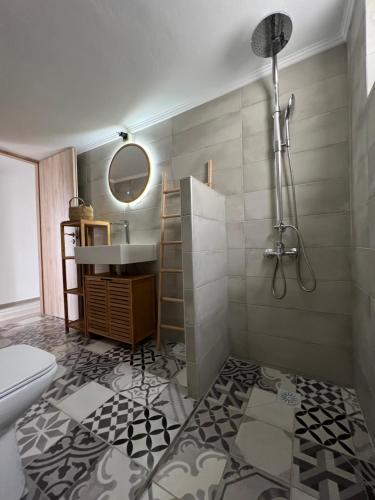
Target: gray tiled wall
[(234, 131), (363, 214), (205, 283)]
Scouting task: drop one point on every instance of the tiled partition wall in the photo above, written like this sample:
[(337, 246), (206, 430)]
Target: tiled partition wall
[(362, 183), (304, 332), (205, 283)]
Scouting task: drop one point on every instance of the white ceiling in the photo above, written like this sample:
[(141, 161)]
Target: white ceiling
[(73, 72)]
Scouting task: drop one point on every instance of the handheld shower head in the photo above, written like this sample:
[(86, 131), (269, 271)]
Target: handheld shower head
[(287, 115), (290, 107)]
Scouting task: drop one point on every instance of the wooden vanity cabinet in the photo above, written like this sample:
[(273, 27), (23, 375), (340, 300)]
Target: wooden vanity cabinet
[(121, 308)]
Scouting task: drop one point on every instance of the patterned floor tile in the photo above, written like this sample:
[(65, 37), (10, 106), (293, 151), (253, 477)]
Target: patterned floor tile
[(244, 372), (110, 419), (316, 393), (63, 350), (66, 462), (120, 353), (215, 425), (85, 400), (40, 433), (166, 347), (154, 492), (144, 388), (175, 403), (193, 470), (241, 481), (115, 477), (120, 377), (36, 409), (366, 473), (31, 491), (100, 346), (230, 392), (64, 386), (147, 437), (363, 447), (351, 404), (326, 427), (265, 447), (268, 407), (273, 380), (165, 367), (325, 473), (296, 494), (79, 358), (179, 351)]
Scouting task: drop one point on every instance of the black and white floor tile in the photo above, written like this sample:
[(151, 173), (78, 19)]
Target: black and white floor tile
[(231, 392), (144, 388), (117, 425), (57, 470), (241, 481), (113, 417), (115, 477), (175, 403), (326, 427), (193, 470), (323, 394), (215, 425), (325, 473), (40, 433), (147, 437)]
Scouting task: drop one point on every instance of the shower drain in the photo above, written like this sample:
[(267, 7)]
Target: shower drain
[(289, 397)]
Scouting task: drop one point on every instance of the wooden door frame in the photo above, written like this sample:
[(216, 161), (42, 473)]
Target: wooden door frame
[(35, 164)]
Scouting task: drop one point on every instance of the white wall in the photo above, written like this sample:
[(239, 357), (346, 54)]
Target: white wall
[(19, 270)]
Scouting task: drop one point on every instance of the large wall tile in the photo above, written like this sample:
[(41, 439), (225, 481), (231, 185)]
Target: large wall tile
[(330, 296), (214, 132), (302, 326), (321, 130), (322, 66), (228, 103), (308, 359)]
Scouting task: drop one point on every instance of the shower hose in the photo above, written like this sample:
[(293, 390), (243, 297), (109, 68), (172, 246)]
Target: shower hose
[(301, 250)]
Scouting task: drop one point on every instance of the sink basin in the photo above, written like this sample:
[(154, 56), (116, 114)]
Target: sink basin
[(115, 254)]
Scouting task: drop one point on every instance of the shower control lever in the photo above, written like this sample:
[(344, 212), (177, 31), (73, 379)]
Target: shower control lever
[(280, 250)]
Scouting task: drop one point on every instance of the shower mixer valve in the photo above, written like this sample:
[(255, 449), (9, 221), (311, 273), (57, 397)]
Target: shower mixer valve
[(280, 251)]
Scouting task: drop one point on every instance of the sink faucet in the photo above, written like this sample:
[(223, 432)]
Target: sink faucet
[(126, 225)]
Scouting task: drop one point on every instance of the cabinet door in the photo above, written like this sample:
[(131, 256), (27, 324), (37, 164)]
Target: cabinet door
[(96, 305), (120, 309)]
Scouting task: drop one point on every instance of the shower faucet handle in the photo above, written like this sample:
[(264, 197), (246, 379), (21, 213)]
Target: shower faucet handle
[(280, 251)]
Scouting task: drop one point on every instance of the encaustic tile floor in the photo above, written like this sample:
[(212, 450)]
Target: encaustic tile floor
[(116, 425)]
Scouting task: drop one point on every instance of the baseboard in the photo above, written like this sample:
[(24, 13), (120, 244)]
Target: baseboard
[(18, 310)]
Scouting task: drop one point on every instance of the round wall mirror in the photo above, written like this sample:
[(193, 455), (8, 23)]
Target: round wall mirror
[(129, 173)]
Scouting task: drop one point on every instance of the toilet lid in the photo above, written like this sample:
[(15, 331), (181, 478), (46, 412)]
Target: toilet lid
[(20, 364)]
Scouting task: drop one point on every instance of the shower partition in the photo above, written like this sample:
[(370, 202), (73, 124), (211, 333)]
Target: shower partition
[(204, 243)]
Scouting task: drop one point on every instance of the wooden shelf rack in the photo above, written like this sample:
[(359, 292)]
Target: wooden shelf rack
[(84, 233)]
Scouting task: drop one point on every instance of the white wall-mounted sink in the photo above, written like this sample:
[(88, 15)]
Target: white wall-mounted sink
[(126, 253)]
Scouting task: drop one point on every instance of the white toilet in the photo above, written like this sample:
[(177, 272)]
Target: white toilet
[(25, 373)]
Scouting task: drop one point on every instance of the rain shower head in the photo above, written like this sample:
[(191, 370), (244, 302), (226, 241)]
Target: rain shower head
[(271, 35)]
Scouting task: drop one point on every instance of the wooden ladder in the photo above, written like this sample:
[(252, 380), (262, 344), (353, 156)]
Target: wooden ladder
[(163, 269)]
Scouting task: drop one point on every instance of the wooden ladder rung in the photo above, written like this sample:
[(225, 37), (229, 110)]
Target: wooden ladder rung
[(172, 327), (170, 270), (172, 299), (170, 191), (172, 216), (172, 242)]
